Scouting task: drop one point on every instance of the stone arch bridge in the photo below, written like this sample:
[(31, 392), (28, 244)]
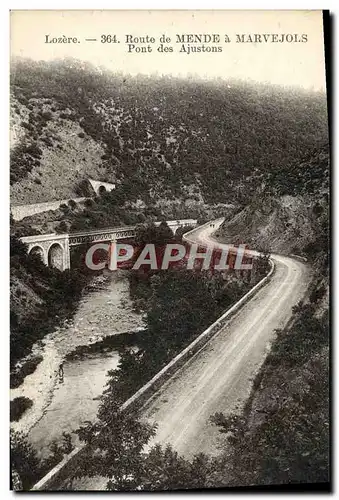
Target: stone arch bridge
[(54, 249)]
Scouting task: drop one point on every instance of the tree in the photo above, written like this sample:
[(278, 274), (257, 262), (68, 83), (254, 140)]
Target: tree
[(261, 264), (72, 204), (18, 406), (62, 227), (151, 233), (24, 459), (116, 449)]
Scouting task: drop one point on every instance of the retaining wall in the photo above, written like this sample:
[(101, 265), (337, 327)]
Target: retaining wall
[(19, 212)]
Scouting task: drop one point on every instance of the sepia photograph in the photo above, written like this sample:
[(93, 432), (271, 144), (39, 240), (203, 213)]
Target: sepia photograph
[(169, 250)]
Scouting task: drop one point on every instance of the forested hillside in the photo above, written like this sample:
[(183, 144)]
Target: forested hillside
[(164, 138), (283, 434), (180, 148), (292, 215), (175, 147), (40, 298)]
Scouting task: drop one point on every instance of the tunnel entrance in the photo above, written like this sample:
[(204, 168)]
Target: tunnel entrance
[(102, 190)]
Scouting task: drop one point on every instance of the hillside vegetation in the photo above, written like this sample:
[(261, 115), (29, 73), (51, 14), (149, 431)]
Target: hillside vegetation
[(292, 215), (175, 147), (41, 297), (283, 435), (164, 138), (178, 147)]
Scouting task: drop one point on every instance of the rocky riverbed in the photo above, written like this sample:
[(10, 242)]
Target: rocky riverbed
[(64, 404)]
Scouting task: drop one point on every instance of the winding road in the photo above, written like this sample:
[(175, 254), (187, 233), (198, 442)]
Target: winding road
[(218, 378)]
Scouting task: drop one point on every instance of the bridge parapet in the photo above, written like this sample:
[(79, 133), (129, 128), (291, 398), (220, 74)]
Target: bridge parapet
[(109, 234)]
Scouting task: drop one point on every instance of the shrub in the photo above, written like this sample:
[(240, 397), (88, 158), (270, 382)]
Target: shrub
[(22, 99), (27, 369), (62, 227), (83, 188), (317, 293), (88, 203), (46, 115), (19, 406), (27, 126), (24, 461), (47, 141), (81, 135), (64, 207), (72, 204), (34, 150)]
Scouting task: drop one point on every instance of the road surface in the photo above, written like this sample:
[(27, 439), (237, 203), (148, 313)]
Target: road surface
[(219, 377)]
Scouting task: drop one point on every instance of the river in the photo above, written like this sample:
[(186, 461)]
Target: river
[(63, 405)]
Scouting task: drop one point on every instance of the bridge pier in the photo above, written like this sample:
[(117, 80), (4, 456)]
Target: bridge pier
[(66, 255)]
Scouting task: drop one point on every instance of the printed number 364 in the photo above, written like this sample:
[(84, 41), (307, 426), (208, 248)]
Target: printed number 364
[(109, 39)]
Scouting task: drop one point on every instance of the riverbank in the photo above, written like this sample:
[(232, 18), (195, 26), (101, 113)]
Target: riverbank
[(42, 298), (104, 310)]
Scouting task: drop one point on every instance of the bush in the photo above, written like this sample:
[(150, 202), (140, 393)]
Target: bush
[(24, 461), (81, 135), (28, 126), (88, 203), (47, 141), (22, 99), (47, 115), (64, 208), (317, 293), (34, 150), (19, 406), (72, 204), (27, 369), (62, 227), (83, 189)]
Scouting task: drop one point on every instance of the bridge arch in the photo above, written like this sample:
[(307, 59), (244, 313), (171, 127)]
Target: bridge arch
[(56, 256), (38, 250)]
